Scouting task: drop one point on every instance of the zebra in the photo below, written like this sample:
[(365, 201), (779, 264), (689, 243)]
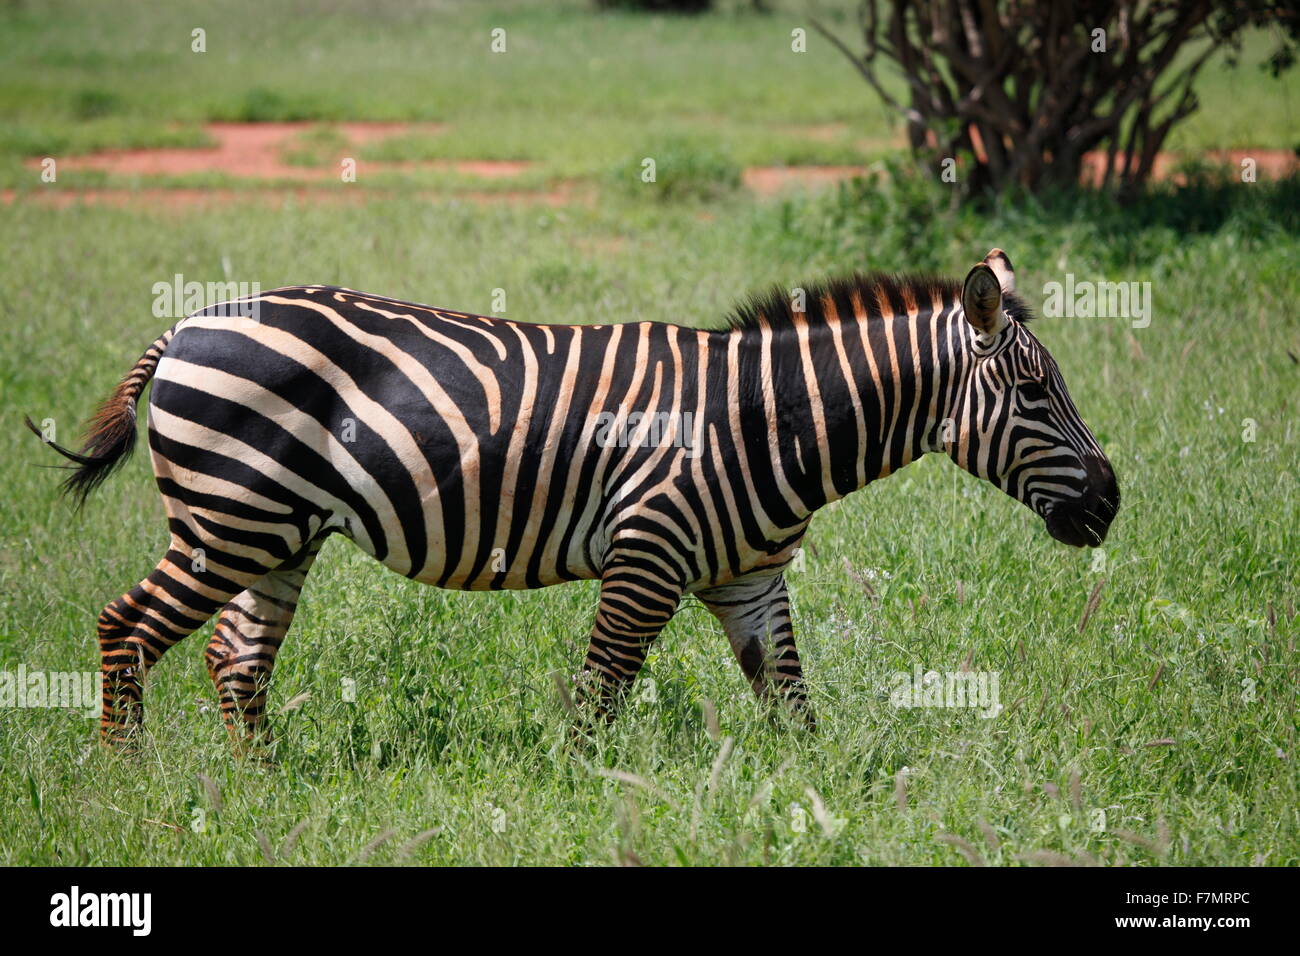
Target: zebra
[(474, 452)]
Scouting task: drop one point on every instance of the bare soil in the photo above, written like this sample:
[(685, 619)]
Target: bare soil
[(259, 151)]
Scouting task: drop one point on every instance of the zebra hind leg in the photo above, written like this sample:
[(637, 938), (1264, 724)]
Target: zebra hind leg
[(755, 614), (248, 635), (136, 629)]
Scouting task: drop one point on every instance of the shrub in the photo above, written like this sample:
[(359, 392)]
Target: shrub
[(682, 171)]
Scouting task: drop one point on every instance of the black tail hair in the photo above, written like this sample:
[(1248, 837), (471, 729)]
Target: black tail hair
[(110, 434)]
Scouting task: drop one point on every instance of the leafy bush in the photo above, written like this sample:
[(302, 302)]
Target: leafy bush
[(93, 104), (263, 105), (681, 171)]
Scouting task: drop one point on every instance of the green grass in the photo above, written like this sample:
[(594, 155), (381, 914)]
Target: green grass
[(1174, 712)]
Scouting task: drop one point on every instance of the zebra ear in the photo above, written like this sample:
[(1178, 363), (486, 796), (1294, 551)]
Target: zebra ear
[(981, 298), (1000, 263)]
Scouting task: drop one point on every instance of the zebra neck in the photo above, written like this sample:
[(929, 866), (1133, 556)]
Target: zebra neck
[(846, 403)]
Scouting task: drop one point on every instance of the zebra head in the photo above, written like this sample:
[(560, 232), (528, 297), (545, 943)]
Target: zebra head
[(1015, 423)]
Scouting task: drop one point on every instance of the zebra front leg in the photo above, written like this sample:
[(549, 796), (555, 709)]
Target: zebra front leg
[(635, 604), (244, 644), (755, 614)]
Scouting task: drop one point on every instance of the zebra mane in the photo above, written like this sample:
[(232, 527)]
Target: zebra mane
[(775, 307)]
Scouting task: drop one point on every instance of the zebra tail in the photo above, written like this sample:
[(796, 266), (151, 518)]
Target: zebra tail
[(110, 433)]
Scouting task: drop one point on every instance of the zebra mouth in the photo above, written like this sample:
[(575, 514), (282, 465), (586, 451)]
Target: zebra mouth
[(1079, 528), (1082, 522)]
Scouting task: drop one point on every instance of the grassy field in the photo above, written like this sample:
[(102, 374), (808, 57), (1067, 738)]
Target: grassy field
[(1164, 733)]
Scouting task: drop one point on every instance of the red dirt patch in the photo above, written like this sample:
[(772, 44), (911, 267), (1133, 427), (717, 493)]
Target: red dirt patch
[(1270, 164), (769, 180), (256, 151)]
